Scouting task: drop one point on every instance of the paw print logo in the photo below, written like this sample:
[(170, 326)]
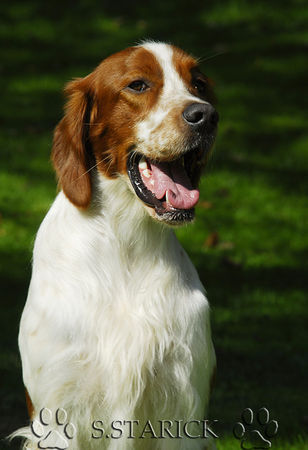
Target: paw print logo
[(248, 430), (44, 430)]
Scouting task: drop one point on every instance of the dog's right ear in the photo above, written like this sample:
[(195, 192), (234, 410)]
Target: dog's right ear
[(71, 152)]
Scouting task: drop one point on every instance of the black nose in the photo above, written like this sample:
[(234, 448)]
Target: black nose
[(201, 115)]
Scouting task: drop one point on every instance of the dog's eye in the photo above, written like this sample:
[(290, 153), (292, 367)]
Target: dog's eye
[(200, 85), (138, 86)]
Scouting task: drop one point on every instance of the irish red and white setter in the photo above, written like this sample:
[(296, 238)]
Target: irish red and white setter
[(116, 327)]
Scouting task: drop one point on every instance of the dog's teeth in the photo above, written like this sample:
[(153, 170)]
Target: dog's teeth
[(142, 164), (147, 173), (167, 197)]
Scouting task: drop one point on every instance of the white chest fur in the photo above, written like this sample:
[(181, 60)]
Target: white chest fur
[(116, 322)]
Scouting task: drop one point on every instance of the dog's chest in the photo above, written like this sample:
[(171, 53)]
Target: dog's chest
[(150, 332), (158, 297), (128, 306)]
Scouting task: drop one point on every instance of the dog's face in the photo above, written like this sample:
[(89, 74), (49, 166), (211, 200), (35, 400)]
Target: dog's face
[(146, 113)]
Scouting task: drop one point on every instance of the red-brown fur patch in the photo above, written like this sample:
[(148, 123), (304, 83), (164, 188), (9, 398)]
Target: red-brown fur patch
[(183, 64), (188, 69), (97, 129), (29, 403), (69, 155)]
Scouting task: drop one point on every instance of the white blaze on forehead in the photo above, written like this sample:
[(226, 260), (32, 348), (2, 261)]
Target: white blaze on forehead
[(174, 87), (174, 91)]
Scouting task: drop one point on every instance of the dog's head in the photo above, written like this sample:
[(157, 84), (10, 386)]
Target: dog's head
[(144, 112)]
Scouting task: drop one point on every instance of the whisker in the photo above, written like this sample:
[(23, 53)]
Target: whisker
[(108, 156), (206, 58), (93, 167), (87, 171)]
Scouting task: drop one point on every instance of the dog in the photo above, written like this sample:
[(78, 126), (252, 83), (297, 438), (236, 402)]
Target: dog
[(116, 327)]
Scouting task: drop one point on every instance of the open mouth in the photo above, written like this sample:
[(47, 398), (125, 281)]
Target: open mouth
[(170, 187)]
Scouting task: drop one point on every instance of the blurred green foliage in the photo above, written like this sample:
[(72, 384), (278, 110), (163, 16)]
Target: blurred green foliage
[(249, 242)]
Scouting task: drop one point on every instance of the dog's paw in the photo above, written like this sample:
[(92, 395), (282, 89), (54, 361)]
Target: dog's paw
[(44, 430), (253, 438)]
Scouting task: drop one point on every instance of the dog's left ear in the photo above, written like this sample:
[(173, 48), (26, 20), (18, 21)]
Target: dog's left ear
[(71, 153)]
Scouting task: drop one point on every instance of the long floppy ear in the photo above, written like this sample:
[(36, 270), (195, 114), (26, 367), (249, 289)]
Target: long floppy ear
[(71, 153)]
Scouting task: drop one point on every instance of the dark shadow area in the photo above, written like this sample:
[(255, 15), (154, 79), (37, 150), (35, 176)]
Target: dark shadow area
[(261, 347)]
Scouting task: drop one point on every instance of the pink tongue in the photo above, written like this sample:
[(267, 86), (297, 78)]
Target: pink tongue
[(171, 179)]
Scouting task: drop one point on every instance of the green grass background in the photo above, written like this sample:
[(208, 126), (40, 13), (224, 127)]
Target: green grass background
[(249, 242)]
